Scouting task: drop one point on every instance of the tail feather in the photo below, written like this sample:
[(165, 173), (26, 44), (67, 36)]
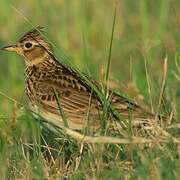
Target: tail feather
[(139, 115)]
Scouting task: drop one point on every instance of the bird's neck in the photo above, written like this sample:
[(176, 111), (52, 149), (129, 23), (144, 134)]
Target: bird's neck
[(45, 62)]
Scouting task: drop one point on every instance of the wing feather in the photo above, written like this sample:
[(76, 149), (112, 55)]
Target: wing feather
[(77, 101)]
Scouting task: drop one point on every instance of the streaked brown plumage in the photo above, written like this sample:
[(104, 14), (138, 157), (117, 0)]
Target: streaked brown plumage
[(45, 77)]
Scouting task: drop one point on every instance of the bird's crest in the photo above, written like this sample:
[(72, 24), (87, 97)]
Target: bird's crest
[(35, 34)]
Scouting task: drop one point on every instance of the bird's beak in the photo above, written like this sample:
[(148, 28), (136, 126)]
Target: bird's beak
[(13, 48), (10, 48)]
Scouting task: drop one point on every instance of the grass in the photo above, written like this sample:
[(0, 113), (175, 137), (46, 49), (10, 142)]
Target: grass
[(144, 66)]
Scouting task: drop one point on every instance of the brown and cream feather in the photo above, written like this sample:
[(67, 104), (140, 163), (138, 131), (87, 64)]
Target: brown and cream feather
[(46, 77)]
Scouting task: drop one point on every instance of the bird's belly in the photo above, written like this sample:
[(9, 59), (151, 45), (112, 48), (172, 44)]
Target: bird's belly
[(55, 119)]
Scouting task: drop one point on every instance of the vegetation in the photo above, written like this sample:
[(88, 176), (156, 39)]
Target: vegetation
[(143, 63)]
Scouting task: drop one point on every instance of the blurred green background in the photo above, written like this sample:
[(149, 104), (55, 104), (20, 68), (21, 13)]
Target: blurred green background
[(145, 31)]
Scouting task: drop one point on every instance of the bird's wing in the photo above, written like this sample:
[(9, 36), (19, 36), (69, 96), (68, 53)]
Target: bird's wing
[(66, 92), (130, 110)]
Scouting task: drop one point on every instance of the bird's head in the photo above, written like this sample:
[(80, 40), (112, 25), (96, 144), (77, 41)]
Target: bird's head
[(32, 46)]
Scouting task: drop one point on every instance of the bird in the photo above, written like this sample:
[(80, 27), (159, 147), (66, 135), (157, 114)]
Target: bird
[(63, 96)]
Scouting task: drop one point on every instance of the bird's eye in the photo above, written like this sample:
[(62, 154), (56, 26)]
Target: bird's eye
[(28, 45)]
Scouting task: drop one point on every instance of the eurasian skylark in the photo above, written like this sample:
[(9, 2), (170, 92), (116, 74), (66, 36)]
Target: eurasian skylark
[(47, 78)]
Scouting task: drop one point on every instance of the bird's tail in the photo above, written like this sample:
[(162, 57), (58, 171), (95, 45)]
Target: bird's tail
[(139, 116)]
